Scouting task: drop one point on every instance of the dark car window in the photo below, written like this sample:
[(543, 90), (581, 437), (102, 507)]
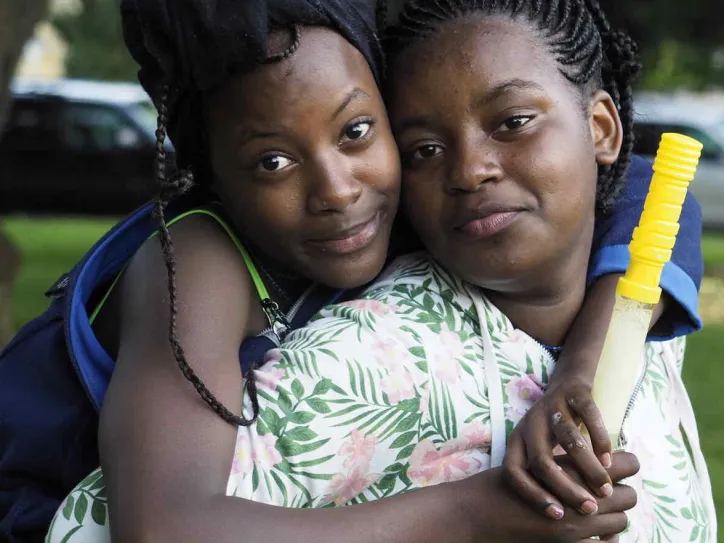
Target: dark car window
[(648, 136), (31, 125), (97, 128)]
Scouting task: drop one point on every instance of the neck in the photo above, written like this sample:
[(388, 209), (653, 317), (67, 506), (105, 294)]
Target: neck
[(545, 304)]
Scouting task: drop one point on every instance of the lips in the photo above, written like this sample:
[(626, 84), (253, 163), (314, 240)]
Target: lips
[(487, 219), (350, 240)]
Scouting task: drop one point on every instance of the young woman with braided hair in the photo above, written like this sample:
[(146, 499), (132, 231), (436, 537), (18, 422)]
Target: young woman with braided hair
[(340, 425)]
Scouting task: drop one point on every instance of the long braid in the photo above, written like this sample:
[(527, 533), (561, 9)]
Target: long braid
[(168, 190), (579, 36)]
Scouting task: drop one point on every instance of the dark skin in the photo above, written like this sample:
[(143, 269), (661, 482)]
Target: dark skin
[(508, 134), (175, 490)]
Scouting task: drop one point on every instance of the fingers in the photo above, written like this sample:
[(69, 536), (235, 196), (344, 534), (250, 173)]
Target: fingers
[(568, 435), (609, 526), (543, 465), (518, 478), (623, 499), (583, 405), (624, 465)]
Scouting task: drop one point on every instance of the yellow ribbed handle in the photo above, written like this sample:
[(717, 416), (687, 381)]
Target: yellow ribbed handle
[(654, 238)]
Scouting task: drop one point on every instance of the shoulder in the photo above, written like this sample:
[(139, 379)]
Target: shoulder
[(215, 296)]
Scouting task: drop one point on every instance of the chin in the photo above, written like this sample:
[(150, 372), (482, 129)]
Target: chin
[(354, 271)]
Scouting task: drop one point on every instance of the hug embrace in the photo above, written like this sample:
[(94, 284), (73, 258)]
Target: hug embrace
[(286, 341)]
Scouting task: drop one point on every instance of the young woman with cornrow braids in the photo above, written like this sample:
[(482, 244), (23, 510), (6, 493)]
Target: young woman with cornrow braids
[(419, 381)]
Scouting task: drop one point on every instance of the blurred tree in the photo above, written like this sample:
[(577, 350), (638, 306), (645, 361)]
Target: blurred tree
[(18, 19), (17, 22), (95, 42)]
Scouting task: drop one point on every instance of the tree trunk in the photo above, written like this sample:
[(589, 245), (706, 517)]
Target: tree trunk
[(17, 22)]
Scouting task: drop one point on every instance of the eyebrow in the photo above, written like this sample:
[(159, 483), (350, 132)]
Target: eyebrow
[(425, 121), (355, 94), (248, 135), (505, 87)]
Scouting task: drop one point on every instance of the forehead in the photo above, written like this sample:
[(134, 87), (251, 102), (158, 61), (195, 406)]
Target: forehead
[(323, 67), (470, 54)]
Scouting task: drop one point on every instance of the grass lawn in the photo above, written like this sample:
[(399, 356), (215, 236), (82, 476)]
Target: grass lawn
[(52, 246)]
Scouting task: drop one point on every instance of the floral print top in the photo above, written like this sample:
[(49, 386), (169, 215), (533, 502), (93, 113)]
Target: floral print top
[(419, 383)]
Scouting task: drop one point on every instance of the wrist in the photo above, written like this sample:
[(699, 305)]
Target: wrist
[(574, 369), (474, 500)]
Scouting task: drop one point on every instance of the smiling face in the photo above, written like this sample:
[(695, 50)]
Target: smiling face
[(500, 153), (305, 162)]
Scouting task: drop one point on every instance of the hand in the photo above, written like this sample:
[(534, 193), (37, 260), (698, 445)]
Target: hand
[(499, 515), (554, 419)]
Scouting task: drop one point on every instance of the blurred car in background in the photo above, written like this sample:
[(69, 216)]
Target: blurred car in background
[(698, 119), (77, 147)]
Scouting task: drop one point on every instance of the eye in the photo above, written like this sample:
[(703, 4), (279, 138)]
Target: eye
[(274, 163), (515, 123), (426, 152), (357, 131)]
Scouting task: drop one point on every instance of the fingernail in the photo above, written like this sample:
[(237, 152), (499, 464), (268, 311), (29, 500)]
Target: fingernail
[(554, 511), (606, 490), (589, 507), (606, 460)]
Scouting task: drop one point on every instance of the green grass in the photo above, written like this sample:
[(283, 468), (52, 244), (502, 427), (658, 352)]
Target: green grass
[(49, 248), (713, 248), (52, 246)]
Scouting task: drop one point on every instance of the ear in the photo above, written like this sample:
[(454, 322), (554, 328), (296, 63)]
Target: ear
[(606, 128)]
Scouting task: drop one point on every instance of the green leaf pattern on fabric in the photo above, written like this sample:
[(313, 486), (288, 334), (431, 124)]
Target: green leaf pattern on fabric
[(385, 394)]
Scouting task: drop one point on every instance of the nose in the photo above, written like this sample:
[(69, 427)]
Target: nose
[(477, 164), (334, 187)]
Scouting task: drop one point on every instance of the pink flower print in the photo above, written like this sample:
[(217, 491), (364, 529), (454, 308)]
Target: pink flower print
[(472, 437), (518, 336), (390, 352), (522, 392), (478, 436), (398, 385), (242, 462), (358, 450), (345, 487), (515, 347), (429, 466), (446, 368), (264, 451), (270, 374), (378, 308), (452, 344)]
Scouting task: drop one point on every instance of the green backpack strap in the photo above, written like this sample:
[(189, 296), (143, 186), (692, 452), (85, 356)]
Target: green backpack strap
[(270, 307)]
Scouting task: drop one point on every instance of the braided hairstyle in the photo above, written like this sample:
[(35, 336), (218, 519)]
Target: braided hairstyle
[(186, 50), (589, 52), (170, 188)]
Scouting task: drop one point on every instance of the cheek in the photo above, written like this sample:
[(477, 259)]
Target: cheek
[(422, 205), (379, 168), (266, 214), (563, 174)]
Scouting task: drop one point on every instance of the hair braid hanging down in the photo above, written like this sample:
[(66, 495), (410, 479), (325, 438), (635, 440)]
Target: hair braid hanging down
[(170, 188)]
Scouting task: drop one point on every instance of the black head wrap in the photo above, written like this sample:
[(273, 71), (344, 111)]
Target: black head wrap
[(191, 46)]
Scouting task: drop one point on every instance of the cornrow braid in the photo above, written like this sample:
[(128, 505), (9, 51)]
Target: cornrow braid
[(289, 51), (578, 34), (620, 68), (168, 190)]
